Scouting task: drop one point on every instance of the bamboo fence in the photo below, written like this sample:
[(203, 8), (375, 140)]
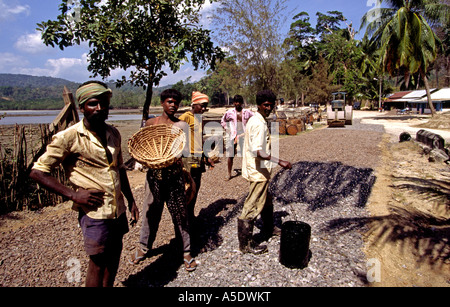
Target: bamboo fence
[(17, 190)]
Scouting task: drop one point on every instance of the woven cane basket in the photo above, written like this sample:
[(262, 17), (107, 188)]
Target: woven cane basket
[(157, 146)]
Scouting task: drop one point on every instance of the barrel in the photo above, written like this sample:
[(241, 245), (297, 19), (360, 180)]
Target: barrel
[(404, 137), (294, 244), (430, 139), (291, 129)]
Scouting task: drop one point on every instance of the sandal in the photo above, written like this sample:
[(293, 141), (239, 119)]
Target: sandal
[(139, 256), (190, 265)]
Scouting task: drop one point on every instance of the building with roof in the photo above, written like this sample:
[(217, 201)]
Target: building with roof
[(417, 100)]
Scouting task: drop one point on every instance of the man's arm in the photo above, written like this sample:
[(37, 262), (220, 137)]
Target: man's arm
[(263, 155), (81, 196), (150, 122), (224, 120), (126, 190)]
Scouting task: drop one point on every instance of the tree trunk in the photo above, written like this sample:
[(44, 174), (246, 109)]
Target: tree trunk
[(148, 101), (427, 87), (149, 94)]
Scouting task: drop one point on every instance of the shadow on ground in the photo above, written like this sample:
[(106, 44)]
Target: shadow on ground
[(406, 226), (205, 237)]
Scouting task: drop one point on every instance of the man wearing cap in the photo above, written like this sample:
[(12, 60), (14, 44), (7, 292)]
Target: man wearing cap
[(195, 163), (90, 152)]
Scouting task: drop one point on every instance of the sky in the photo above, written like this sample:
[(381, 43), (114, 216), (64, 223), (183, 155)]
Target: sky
[(23, 52)]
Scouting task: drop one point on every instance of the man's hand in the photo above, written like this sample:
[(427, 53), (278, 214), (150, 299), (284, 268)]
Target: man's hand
[(134, 213), (285, 164), (210, 163), (92, 198)]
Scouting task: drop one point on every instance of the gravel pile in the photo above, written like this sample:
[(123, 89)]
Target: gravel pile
[(50, 252)]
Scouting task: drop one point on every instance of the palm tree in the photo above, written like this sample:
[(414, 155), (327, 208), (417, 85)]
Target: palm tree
[(404, 37)]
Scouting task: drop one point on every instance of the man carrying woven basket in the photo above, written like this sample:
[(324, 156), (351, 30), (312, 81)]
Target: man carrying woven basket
[(165, 183), (91, 154)]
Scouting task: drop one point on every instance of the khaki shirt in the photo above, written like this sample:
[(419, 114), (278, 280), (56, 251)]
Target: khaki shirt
[(257, 137), (86, 164), (196, 132)]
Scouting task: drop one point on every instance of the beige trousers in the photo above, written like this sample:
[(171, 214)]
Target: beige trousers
[(256, 200)]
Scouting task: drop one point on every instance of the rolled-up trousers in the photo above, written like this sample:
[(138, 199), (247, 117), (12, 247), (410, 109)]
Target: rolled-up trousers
[(164, 186)]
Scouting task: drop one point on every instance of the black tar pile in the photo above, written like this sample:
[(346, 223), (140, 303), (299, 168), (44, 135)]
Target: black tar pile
[(321, 185)]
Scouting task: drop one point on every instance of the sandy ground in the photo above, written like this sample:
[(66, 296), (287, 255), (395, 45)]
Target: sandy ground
[(407, 242), (396, 124)]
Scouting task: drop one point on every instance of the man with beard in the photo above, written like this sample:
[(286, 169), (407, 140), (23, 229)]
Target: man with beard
[(90, 152), (234, 122)]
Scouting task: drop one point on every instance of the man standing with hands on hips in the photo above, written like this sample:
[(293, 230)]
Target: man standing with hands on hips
[(91, 154), (257, 166)]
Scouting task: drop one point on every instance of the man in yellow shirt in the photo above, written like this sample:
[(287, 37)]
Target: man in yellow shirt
[(195, 163), (257, 164), (91, 154)]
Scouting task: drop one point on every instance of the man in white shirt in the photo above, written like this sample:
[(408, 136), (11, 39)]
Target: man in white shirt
[(257, 166)]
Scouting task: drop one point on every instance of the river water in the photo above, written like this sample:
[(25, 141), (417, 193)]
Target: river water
[(24, 117)]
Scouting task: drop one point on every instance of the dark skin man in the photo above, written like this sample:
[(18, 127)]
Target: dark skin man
[(102, 268)]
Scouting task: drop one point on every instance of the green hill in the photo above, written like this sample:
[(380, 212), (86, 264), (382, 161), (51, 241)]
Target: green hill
[(18, 80), (24, 92)]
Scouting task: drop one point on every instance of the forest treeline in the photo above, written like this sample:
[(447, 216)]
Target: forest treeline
[(24, 92)]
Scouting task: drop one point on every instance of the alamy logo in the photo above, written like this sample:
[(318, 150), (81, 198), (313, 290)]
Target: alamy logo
[(373, 270), (74, 273), (374, 14), (74, 14)]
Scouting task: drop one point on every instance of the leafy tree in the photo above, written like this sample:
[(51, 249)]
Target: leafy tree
[(250, 30), (185, 88), (300, 37), (320, 84), (336, 45), (328, 23), (142, 36), (302, 45), (227, 77)]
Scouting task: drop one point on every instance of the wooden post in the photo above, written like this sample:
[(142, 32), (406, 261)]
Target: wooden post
[(67, 115)]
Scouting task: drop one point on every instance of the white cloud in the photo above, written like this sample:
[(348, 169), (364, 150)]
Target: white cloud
[(61, 65), (206, 13), (31, 43), (9, 61), (8, 11), (72, 69)]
